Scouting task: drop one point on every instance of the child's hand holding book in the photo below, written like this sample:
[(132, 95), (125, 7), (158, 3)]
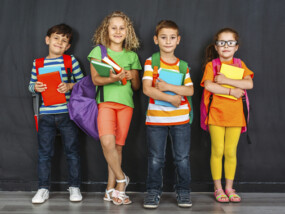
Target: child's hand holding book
[(117, 77), (236, 92), (64, 87), (40, 87), (220, 78), (176, 100), (161, 85)]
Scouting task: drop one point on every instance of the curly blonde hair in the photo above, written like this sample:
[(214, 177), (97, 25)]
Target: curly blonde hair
[(101, 35)]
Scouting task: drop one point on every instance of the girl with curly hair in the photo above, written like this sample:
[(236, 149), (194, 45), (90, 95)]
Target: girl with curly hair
[(117, 34)]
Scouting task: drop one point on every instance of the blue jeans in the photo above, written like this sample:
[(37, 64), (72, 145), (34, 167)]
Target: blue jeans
[(46, 136), (157, 140)]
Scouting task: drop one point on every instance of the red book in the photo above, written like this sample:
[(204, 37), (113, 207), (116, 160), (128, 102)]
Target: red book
[(51, 96), (108, 60)]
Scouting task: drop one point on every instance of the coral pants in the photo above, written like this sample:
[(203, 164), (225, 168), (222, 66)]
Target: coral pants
[(114, 119), (224, 142)]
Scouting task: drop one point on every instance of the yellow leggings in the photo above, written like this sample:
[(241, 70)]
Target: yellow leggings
[(224, 142)]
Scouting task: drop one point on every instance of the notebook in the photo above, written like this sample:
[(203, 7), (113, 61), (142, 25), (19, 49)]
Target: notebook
[(170, 77), (231, 72), (103, 69), (108, 60), (44, 70), (51, 96)]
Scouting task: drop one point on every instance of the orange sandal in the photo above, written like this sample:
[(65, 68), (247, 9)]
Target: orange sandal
[(231, 193), (220, 196)]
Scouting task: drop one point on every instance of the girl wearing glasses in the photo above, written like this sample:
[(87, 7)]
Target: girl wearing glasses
[(226, 117)]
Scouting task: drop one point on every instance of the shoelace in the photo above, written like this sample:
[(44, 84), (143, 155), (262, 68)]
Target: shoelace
[(183, 197), (73, 190), (152, 197), (40, 193)]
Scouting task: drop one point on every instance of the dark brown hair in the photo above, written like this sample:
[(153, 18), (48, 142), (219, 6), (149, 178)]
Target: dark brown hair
[(63, 29), (211, 52), (166, 24)]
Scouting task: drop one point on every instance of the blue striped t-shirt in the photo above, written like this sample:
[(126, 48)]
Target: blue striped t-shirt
[(76, 75)]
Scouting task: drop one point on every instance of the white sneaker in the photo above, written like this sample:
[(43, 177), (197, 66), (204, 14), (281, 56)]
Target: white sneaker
[(41, 196), (75, 194)]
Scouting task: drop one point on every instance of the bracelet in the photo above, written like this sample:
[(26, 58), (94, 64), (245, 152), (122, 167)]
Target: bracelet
[(230, 91)]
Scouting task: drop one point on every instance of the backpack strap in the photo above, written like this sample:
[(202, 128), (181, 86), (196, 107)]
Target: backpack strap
[(216, 62), (39, 64), (67, 61), (101, 87), (183, 67), (155, 64), (103, 51)]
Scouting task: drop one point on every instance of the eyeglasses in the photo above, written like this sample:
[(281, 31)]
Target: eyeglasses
[(230, 43)]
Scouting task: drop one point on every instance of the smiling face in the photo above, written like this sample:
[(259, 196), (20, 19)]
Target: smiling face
[(58, 44), (225, 52), (117, 31), (167, 40)]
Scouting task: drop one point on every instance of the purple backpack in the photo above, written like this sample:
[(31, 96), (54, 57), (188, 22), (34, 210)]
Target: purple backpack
[(82, 106), (208, 96)]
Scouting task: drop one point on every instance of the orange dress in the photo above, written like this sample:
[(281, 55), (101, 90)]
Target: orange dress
[(223, 111)]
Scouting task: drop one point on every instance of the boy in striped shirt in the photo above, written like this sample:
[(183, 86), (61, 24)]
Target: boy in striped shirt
[(58, 39), (161, 120)]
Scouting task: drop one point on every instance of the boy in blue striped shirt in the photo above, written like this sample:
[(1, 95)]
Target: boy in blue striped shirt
[(58, 39)]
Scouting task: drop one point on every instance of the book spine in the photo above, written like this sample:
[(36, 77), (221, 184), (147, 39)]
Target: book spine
[(116, 67)]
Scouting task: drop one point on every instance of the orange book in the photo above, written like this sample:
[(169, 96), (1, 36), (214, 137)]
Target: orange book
[(108, 60), (51, 96)]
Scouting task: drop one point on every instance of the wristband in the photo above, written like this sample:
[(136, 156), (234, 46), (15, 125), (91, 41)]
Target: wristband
[(230, 91)]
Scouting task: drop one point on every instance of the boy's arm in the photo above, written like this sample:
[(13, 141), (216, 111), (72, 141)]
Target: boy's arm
[(156, 94), (180, 90), (34, 85), (77, 74)]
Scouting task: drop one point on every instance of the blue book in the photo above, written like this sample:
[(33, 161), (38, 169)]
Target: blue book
[(45, 70), (171, 77)]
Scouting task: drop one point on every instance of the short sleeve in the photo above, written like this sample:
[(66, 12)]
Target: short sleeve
[(246, 70), (148, 71), (95, 53), (208, 74), (136, 62), (187, 79)]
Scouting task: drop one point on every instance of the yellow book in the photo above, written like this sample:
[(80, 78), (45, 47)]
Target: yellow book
[(231, 72)]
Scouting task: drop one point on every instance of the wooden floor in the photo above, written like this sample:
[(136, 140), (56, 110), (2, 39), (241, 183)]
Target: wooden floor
[(253, 203)]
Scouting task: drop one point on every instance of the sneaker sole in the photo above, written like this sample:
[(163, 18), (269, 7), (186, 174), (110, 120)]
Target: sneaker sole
[(36, 202), (75, 200), (150, 206), (185, 205)]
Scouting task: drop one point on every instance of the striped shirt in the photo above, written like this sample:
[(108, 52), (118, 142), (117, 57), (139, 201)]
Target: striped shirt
[(76, 75), (162, 115)]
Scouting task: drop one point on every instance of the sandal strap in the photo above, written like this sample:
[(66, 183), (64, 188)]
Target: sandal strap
[(221, 194), (125, 180), (108, 192), (122, 196), (232, 193)]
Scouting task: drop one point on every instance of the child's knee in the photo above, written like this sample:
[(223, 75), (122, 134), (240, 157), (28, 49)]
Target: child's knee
[(108, 142)]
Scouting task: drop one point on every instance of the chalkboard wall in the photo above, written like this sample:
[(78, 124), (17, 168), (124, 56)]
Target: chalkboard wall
[(261, 24)]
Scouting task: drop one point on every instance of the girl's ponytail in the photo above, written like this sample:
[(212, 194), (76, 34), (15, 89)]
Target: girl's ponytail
[(211, 54)]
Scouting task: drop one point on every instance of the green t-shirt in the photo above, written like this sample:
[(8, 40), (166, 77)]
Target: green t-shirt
[(115, 92)]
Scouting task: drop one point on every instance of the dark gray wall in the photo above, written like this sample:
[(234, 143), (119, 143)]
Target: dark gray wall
[(261, 25)]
